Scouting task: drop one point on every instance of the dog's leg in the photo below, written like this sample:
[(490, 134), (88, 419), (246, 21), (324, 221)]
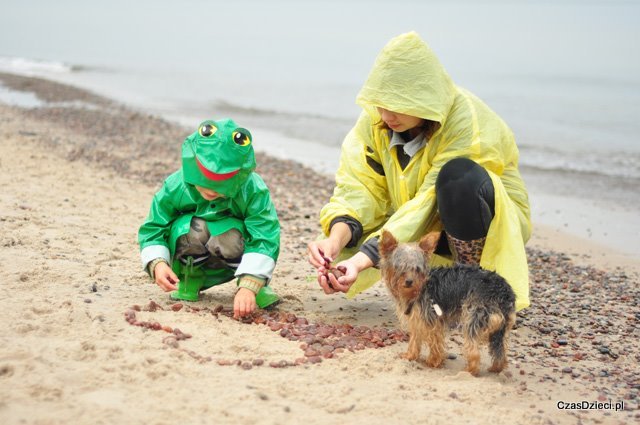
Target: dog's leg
[(472, 354), (415, 346), (474, 325), (498, 345), (497, 350), (435, 340), (416, 335)]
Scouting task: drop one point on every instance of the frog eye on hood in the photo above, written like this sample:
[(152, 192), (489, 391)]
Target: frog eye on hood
[(241, 137), (207, 130)]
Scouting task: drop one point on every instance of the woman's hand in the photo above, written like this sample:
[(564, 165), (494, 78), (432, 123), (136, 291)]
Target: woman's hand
[(244, 303), (350, 269), (322, 253), (165, 277), (348, 274)]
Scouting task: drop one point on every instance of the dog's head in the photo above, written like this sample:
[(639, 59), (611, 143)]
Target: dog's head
[(405, 266)]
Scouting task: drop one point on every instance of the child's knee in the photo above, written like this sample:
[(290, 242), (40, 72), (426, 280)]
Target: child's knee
[(229, 244), (192, 243), (199, 231)]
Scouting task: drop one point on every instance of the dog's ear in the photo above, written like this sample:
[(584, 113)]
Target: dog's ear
[(429, 242), (387, 243)]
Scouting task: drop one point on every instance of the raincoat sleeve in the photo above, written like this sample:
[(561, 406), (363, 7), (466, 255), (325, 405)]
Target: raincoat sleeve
[(153, 235), (360, 182), (262, 244)]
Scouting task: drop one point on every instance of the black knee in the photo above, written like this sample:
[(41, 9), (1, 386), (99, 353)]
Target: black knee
[(466, 199)]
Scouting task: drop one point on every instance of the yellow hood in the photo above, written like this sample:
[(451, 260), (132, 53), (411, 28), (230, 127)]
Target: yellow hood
[(407, 58)]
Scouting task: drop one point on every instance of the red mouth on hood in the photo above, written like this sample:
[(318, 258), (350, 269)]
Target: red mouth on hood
[(215, 176)]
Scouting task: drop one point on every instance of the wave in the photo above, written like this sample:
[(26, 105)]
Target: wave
[(26, 66), (38, 67), (618, 164)]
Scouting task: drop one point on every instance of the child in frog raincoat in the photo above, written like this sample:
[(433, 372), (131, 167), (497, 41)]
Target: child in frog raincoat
[(425, 155), (213, 220)]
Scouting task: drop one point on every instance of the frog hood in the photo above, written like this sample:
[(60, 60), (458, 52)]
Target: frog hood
[(408, 78), (218, 156)]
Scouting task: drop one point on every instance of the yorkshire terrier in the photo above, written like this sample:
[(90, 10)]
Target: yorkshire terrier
[(428, 301)]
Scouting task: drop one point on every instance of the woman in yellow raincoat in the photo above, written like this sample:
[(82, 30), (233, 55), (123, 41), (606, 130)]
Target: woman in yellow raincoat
[(425, 155)]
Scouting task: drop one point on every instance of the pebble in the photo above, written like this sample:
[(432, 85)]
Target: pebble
[(594, 321)]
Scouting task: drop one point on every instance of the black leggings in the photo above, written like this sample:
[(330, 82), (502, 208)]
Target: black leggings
[(466, 201)]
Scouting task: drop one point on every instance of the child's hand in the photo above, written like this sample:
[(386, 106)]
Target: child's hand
[(165, 277), (244, 303)]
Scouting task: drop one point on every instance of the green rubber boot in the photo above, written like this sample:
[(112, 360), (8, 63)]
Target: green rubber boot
[(191, 282), (266, 297)]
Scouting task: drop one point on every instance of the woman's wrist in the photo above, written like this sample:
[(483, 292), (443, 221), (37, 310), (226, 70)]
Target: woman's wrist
[(340, 234), (361, 261)]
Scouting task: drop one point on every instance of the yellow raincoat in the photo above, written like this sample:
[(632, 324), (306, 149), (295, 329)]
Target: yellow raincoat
[(408, 78)]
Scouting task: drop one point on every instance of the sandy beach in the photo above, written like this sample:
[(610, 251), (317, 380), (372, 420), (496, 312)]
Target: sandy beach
[(77, 176)]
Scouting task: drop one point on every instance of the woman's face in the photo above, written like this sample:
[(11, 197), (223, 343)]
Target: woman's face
[(399, 122)]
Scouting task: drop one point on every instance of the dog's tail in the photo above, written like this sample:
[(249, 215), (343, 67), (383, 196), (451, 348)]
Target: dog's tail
[(495, 322), (496, 329), (482, 322)]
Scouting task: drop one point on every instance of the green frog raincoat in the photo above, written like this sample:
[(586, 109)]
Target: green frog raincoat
[(219, 156), (408, 78)]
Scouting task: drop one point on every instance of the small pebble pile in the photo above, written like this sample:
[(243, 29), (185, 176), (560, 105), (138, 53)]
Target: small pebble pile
[(318, 340)]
